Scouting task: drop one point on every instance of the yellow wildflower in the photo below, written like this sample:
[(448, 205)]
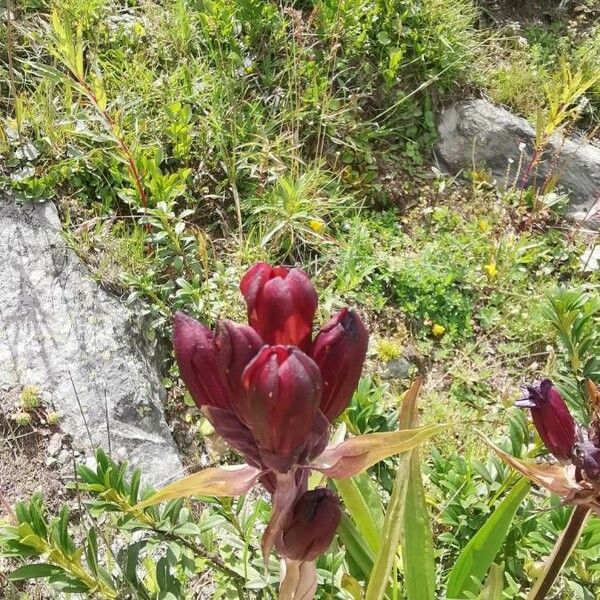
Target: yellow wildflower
[(491, 269), (484, 226), (316, 226), (438, 330)]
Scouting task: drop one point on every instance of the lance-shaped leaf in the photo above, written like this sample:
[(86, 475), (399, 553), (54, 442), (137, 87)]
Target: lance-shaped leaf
[(232, 480), (395, 513), (553, 477), (418, 550), (359, 453), (476, 557)]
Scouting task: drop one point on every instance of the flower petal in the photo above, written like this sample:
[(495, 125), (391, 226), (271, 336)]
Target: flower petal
[(232, 480), (339, 350), (359, 453), (197, 359), (234, 432)]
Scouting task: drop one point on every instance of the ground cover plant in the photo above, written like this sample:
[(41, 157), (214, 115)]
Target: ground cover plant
[(184, 141)]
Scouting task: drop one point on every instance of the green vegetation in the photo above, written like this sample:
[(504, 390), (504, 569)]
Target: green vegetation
[(183, 140)]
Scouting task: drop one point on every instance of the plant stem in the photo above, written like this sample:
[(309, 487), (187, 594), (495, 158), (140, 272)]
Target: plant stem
[(562, 550), (152, 525), (8, 508)]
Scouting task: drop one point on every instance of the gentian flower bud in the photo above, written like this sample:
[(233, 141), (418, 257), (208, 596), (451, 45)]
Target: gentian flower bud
[(237, 345), (586, 456), (311, 526), (197, 359), (551, 417), (340, 349), (281, 304), (283, 389)]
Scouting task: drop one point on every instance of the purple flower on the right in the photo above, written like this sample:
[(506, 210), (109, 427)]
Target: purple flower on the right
[(551, 417), (566, 440)]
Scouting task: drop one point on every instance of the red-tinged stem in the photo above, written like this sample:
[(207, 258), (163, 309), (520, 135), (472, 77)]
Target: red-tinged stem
[(562, 550), (135, 174)]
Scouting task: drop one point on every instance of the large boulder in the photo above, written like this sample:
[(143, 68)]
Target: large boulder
[(477, 133), (80, 346)]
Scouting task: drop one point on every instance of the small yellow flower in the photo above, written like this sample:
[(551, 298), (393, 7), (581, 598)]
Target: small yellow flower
[(484, 226), (438, 330), (316, 226), (491, 269)]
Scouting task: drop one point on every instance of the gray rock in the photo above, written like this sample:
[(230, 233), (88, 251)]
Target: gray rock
[(60, 332), (398, 368), (64, 458), (51, 462), (55, 444), (590, 260), (478, 133)]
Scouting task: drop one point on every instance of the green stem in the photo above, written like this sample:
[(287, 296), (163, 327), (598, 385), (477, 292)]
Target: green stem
[(562, 550)]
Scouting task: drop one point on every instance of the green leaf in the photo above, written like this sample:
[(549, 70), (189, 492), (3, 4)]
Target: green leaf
[(68, 584), (392, 531), (91, 551), (494, 586), (360, 555), (477, 556), (417, 552), (35, 571), (359, 511), (163, 575), (134, 488)]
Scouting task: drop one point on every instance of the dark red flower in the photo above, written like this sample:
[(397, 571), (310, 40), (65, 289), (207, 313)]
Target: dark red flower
[(197, 359), (311, 526), (283, 389), (551, 417), (339, 350), (236, 345), (281, 304)]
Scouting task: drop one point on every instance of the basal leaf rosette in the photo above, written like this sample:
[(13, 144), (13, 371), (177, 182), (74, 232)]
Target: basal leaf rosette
[(271, 391)]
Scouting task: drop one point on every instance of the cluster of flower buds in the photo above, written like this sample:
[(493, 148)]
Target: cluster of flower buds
[(271, 390), (570, 443)]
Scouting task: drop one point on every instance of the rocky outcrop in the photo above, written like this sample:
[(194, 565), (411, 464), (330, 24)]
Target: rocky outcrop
[(81, 347), (478, 134)]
